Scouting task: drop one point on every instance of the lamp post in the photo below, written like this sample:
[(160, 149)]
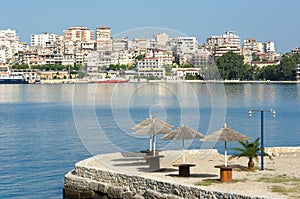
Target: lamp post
[(262, 129)]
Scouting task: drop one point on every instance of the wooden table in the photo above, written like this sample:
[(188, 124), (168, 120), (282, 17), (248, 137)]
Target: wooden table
[(184, 169), (226, 172)]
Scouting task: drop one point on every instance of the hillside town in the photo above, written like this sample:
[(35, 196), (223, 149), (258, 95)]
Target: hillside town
[(82, 53)]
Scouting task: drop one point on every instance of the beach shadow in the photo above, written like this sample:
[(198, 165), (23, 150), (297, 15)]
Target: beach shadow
[(128, 159), (131, 164), (161, 170), (132, 154), (195, 175)]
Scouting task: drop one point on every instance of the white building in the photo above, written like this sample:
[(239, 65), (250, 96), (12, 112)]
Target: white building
[(42, 40), (220, 45), (120, 44), (139, 44), (183, 45), (201, 57), (150, 67), (298, 72), (9, 43), (180, 73)]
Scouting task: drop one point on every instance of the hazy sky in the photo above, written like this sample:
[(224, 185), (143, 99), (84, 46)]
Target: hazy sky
[(264, 20)]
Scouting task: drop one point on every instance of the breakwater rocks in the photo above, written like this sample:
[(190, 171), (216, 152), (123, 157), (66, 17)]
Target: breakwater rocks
[(93, 179)]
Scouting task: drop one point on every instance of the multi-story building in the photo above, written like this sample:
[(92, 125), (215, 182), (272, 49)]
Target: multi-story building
[(148, 67), (78, 34), (295, 50), (139, 44), (220, 45), (9, 43), (166, 56), (159, 41), (250, 46), (45, 39), (201, 58), (183, 45), (31, 58), (298, 72), (23, 46), (103, 38), (2, 56), (120, 44)]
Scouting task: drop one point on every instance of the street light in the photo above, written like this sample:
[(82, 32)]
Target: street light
[(262, 129)]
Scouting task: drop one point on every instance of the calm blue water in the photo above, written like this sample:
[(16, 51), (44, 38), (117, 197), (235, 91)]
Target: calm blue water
[(46, 129)]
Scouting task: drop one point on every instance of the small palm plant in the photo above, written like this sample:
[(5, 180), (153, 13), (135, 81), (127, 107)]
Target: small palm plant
[(250, 150)]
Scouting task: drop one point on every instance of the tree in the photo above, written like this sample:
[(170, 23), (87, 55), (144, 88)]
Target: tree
[(255, 57), (231, 66), (250, 150), (287, 68), (270, 72)]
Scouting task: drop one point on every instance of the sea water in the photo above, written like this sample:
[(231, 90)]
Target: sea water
[(46, 129)]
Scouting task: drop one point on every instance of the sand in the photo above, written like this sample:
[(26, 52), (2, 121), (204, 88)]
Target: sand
[(244, 182)]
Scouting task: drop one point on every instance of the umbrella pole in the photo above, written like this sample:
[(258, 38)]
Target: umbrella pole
[(150, 147), (225, 155), (154, 144), (183, 157)]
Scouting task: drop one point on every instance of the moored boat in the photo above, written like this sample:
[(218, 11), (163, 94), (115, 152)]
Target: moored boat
[(12, 79), (117, 80)]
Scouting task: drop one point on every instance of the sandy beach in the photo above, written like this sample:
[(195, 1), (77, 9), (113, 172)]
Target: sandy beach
[(280, 179)]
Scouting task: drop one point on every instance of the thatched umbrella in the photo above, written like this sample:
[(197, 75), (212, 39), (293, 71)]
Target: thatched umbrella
[(183, 133), (225, 134), (152, 126)]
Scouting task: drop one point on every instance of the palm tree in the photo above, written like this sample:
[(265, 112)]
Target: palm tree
[(250, 150)]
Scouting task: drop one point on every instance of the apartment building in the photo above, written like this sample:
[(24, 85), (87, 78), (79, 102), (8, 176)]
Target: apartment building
[(222, 44), (78, 34), (183, 45), (298, 72), (295, 50), (9, 43), (31, 58), (201, 58), (103, 38), (166, 56), (120, 44), (45, 39), (150, 67), (139, 44)]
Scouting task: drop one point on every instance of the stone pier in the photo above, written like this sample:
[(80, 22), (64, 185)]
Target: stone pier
[(116, 176)]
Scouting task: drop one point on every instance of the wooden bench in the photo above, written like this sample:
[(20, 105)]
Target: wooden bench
[(184, 169)]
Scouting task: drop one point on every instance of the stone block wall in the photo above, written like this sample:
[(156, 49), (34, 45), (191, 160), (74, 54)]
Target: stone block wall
[(84, 182)]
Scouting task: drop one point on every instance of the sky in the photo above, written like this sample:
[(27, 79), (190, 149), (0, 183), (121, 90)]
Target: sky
[(264, 20)]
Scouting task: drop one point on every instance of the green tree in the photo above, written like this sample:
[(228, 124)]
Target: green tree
[(250, 150), (231, 66), (186, 65), (287, 68), (23, 66), (255, 57), (270, 72)]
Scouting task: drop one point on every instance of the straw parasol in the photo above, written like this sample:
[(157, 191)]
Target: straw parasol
[(225, 134), (152, 126), (183, 133)]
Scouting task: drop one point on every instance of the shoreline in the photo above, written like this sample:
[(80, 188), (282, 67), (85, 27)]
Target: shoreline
[(122, 169), (80, 81)]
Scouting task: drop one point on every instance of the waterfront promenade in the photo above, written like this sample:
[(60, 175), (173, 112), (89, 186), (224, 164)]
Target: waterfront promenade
[(130, 172)]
